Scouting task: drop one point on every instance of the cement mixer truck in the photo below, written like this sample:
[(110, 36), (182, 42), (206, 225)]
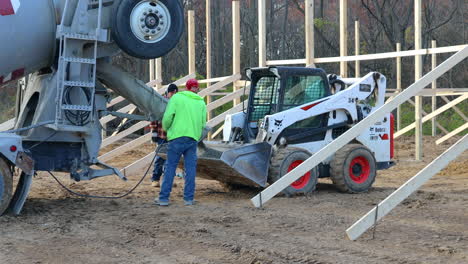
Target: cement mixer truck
[(64, 46)]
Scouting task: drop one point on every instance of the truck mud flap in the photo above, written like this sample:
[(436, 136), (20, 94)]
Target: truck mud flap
[(21, 193), (252, 161)]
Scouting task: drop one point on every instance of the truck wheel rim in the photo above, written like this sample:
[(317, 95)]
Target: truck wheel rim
[(302, 181), (150, 21), (359, 169)]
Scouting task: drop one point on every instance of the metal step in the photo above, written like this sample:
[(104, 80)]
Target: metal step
[(79, 36), (79, 60), (77, 107), (79, 84)]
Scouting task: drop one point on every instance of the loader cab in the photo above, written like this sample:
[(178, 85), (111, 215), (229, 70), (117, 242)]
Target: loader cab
[(277, 89)]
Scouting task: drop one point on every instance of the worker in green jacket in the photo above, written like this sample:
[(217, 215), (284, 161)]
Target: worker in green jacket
[(184, 121)]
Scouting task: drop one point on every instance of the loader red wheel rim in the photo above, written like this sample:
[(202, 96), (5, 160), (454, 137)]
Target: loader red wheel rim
[(359, 169), (302, 181)]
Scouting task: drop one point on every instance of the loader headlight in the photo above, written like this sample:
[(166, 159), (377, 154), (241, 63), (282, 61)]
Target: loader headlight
[(283, 142)]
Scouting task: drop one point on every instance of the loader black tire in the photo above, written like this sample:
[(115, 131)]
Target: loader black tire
[(285, 160), (125, 38), (353, 169), (6, 185)]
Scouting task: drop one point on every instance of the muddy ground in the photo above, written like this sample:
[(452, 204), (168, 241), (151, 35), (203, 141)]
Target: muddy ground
[(429, 227)]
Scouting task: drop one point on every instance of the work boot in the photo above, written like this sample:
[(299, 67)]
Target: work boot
[(155, 184), (160, 203)]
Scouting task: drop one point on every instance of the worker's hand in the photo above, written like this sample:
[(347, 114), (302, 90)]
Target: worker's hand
[(154, 137)]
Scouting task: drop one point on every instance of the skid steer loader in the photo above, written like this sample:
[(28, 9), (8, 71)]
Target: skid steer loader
[(293, 112)]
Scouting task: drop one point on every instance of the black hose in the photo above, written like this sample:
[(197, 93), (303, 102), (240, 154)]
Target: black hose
[(109, 197)]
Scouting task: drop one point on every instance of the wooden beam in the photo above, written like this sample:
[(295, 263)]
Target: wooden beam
[(385, 55), (138, 165), (191, 41), (122, 123), (219, 85), (236, 34), (125, 148), (343, 36), (357, 45), (356, 130), (398, 83), (424, 113), (309, 32), (398, 196), (287, 62), (124, 133), (219, 130), (226, 99), (417, 75), (453, 133), (220, 118), (456, 109), (115, 101), (431, 115), (262, 33), (126, 109), (8, 125)]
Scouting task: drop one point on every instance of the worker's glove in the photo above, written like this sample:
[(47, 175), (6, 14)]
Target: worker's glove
[(154, 137)]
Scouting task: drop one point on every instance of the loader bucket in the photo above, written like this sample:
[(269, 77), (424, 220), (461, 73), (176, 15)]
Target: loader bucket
[(251, 161), (232, 164)]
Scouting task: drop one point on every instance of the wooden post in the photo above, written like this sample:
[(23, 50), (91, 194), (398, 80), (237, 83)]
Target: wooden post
[(151, 70), (343, 37), (417, 76), (209, 98), (191, 41), (309, 32), (398, 84), (434, 86), (158, 72), (261, 33), (356, 48), (235, 44)]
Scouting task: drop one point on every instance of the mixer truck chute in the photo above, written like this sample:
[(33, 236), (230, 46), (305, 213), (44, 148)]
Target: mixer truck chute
[(66, 54)]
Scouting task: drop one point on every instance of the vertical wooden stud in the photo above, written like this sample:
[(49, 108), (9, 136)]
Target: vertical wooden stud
[(191, 41), (236, 57), (261, 33), (417, 76), (309, 32), (434, 86), (158, 72), (343, 37), (398, 84), (209, 98)]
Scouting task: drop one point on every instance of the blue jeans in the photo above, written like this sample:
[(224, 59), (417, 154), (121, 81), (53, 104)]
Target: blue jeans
[(180, 146), (159, 163)]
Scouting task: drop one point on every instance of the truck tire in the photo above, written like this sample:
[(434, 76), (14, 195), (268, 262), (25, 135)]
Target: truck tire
[(148, 29), (6, 185), (353, 169), (285, 160)]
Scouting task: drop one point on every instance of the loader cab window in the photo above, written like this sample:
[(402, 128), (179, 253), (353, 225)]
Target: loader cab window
[(265, 100), (300, 90)]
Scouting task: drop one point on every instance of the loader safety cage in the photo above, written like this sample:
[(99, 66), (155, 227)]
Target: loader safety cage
[(277, 89)]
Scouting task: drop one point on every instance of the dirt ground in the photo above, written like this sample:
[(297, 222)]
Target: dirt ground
[(429, 227)]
